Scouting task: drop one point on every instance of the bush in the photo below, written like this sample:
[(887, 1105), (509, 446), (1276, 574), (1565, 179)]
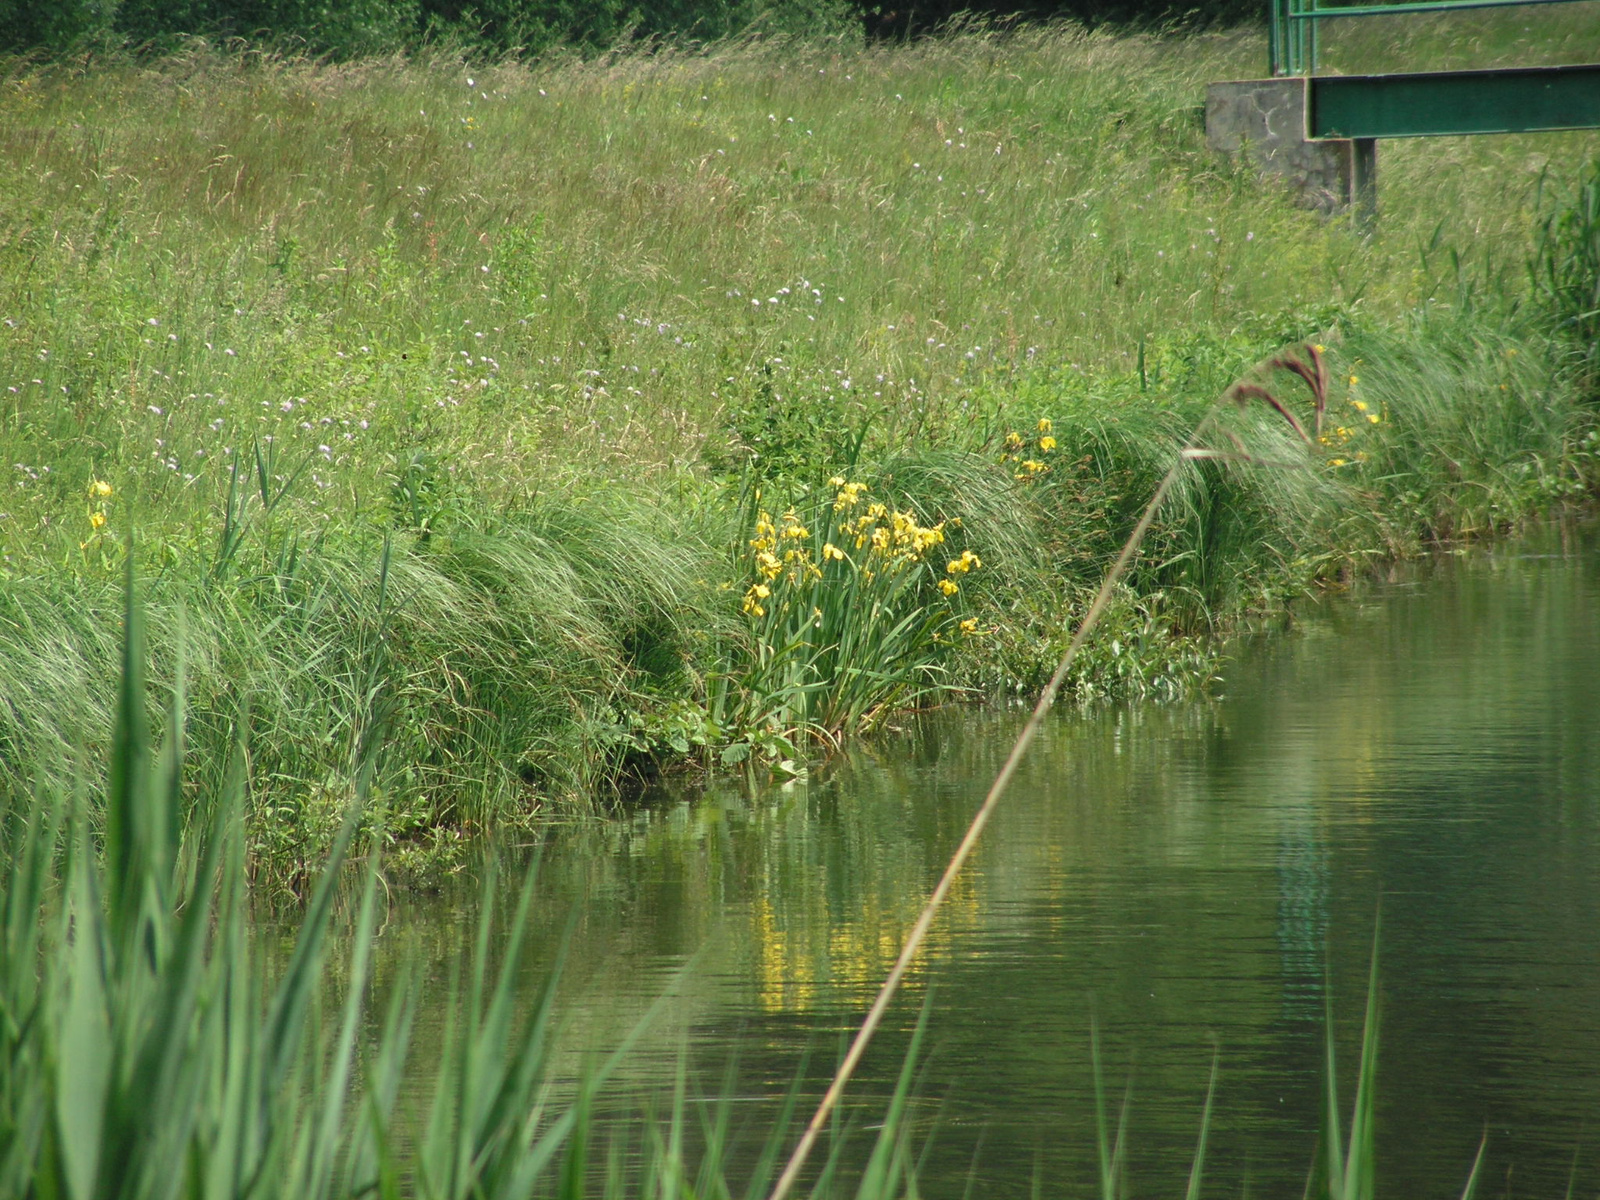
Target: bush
[(351, 28), (55, 25)]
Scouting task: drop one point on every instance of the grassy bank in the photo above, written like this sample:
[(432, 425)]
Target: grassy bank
[(153, 1047), (452, 408)]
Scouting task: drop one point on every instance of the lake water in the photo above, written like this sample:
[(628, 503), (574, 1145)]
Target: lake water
[(1192, 877)]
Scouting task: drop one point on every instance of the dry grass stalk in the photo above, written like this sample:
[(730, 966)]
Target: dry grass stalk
[(1315, 376)]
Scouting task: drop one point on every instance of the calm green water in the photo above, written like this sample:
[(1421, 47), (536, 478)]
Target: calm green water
[(1189, 877)]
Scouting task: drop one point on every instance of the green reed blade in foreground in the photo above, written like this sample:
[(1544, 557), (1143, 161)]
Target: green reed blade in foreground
[(1197, 1170)]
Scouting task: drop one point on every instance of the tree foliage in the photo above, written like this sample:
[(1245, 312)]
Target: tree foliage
[(349, 28)]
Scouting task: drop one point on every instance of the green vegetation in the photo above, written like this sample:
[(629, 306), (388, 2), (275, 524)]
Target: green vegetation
[(1566, 270), (149, 1049), (847, 615), (352, 28), (494, 436), (443, 402)]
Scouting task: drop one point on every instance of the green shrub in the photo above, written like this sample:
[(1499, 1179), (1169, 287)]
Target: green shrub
[(346, 29)]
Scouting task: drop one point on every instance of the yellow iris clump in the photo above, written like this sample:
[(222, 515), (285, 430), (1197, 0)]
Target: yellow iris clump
[(849, 494), (895, 539), (1015, 446), (1339, 437), (795, 563), (785, 556)]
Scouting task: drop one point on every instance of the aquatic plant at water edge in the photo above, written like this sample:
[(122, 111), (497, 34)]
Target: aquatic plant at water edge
[(848, 608), (146, 1054), (146, 1050), (498, 654)]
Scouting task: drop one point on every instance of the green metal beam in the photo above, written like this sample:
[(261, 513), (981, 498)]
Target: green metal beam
[(1440, 103), (1293, 25), (1315, 13)]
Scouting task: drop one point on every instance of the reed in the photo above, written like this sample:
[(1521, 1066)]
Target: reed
[(1347, 1168), (1565, 265)]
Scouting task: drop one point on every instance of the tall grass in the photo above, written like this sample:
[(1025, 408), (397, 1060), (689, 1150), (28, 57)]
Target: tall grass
[(1566, 266), (436, 392), (496, 662)]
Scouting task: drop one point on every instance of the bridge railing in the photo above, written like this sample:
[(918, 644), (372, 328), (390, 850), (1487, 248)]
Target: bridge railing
[(1294, 26)]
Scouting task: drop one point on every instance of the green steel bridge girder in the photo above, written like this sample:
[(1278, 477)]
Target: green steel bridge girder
[(1442, 103)]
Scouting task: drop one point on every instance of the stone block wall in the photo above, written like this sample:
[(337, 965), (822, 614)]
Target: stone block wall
[(1265, 120)]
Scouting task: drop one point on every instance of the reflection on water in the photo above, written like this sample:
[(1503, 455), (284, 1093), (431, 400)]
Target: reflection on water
[(1187, 877)]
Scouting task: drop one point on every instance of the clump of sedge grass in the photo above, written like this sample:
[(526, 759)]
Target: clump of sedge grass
[(498, 654)]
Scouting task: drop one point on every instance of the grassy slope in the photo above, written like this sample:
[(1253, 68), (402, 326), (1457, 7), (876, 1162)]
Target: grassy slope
[(506, 337)]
